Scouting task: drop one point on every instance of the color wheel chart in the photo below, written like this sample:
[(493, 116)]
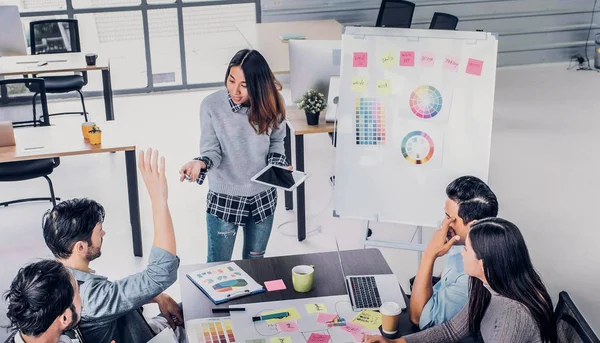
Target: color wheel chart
[(211, 330), (417, 147), (370, 122), (426, 101)]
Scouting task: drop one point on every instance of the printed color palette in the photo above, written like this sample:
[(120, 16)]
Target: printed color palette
[(426, 101), (370, 122), (211, 330), (417, 147)]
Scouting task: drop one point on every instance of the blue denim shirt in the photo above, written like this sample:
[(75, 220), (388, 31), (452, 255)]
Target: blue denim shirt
[(450, 294), (111, 308)]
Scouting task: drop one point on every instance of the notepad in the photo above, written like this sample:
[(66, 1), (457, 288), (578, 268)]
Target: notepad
[(224, 282), (287, 36)]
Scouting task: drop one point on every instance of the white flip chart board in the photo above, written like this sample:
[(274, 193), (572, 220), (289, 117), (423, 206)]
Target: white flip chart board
[(415, 112)]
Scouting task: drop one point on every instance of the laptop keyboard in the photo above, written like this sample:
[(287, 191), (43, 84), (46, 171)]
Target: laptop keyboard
[(365, 292)]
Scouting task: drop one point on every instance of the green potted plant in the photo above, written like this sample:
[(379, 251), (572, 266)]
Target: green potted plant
[(312, 102)]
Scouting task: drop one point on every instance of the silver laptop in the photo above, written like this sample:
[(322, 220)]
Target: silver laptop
[(368, 292), (12, 39)]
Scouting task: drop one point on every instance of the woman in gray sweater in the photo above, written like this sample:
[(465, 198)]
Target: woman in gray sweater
[(242, 130), (507, 300)]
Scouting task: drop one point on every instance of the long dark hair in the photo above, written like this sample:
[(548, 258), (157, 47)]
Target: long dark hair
[(267, 108), (509, 272)]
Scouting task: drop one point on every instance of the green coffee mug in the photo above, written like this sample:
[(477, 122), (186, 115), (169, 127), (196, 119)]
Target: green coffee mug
[(302, 278)]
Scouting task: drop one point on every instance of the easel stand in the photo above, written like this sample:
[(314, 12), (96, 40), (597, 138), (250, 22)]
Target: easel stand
[(417, 246)]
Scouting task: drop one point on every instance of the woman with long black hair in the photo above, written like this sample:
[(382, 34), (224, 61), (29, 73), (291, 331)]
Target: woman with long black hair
[(242, 130), (508, 301)]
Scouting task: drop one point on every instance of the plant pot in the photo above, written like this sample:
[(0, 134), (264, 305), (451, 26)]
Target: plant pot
[(312, 118), (95, 138)]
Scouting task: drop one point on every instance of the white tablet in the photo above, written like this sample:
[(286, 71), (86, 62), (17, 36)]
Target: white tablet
[(280, 177)]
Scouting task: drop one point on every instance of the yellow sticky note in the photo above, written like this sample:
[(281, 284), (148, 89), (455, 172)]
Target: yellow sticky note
[(359, 84), (384, 87), (388, 60), (316, 308), (281, 340), (294, 315), (369, 319)]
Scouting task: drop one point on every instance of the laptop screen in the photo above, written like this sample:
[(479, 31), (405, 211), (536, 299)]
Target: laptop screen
[(342, 266)]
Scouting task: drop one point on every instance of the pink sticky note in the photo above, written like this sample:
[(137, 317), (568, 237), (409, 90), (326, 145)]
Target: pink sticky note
[(451, 63), (275, 285), (474, 67), (323, 318), (288, 326), (360, 59), (407, 58), (427, 59), (353, 328), (318, 338)]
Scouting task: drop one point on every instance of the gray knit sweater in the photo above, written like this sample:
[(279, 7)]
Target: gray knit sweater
[(237, 152), (505, 321)]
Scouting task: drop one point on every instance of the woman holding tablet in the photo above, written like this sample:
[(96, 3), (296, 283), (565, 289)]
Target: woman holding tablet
[(242, 131)]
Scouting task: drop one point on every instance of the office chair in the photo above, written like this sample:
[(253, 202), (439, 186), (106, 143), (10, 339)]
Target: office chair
[(56, 36), (395, 13), (570, 325), (31, 169), (443, 21), (28, 83)]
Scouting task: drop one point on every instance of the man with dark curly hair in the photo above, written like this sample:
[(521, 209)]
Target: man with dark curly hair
[(43, 303)]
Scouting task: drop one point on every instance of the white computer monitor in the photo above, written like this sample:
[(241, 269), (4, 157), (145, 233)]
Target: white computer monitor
[(312, 64), (12, 39)]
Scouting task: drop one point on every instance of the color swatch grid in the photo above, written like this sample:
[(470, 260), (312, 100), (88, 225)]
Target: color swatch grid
[(426, 101), (370, 122), (214, 332), (417, 147)]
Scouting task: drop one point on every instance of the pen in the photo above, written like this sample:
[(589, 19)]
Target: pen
[(271, 316), (226, 310)]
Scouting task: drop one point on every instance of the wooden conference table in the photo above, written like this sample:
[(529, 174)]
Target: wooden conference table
[(328, 280), (58, 63), (67, 140), (264, 37)]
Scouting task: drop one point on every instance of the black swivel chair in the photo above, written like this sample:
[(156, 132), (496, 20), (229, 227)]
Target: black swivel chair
[(57, 36), (30, 83), (570, 324), (28, 170), (395, 13), (443, 21)]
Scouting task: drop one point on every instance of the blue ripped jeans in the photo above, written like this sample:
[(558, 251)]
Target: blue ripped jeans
[(221, 238)]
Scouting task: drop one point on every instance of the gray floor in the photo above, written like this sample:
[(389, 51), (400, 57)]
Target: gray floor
[(543, 170)]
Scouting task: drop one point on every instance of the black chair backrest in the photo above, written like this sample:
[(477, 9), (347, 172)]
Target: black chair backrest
[(54, 36), (443, 21), (27, 82), (395, 13), (570, 324)]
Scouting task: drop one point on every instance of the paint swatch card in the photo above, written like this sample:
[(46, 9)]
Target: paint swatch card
[(451, 63), (211, 330), (407, 58), (427, 59), (474, 67), (360, 60), (370, 121)]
